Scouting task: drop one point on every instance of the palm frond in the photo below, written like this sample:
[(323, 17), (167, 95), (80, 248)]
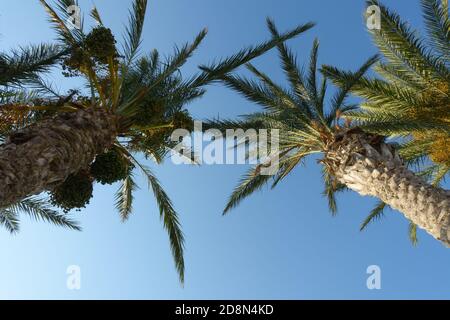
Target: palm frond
[(180, 57), (96, 16), (24, 64), (331, 188), (39, 210), (286, 166), (389, 124), (440, 173), (376, 214), (59, 20), (124, 197), (9, 220), (346, 81), (134, 29), (217, 70), (291, 69), (412, 233), (400, 45), (250, 182), (169, 217), (435, 14)]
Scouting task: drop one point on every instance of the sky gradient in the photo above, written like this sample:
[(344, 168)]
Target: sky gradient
[(279, 244)]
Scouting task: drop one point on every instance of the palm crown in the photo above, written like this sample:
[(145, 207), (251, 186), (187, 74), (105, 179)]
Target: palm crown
[(307, 122), (411, 98)]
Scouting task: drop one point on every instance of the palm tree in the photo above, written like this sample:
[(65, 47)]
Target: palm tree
[(351, 158), (132, 105), (18, 68), (410, 100)]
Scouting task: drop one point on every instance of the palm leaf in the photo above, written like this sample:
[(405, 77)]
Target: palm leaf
[(435, 14), (169, 217), (23, 65), (412, 232), (134, 29), (216, 71), (39, 210), (376, 214), (250, 182), (124, 197), (9, 220)]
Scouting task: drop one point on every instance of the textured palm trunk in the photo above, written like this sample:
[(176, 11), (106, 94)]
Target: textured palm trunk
[(44, 154), (367, 165)]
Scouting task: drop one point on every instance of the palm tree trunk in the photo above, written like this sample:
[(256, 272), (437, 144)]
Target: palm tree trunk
[(369, 166), (44, 154)]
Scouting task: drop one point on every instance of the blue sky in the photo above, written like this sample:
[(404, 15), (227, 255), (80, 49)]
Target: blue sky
[(280, 244)]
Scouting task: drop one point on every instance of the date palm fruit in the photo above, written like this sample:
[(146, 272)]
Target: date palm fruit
[(74, 193), (101, 44), (110, 167)]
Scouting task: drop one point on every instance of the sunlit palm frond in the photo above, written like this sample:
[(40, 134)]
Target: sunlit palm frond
[(134, 30), (435, 13)]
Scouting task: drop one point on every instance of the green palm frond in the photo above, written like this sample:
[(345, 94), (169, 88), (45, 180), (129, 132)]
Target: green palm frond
[(250, 182), (287, 164), (134, 29), (435, 13), (390, 124), (285, 98), (376, 214), (299, 113), (9, 220), (130, 106), (346, 81), (169, 217), (124, 197), (39, 210), (312, 80), (254, 91), (397, 76), (440, 173), (332, 187), (96, 16), (412, 233), (414, 149), (403, 49), (20, 66), (216, 71), (293, 73)]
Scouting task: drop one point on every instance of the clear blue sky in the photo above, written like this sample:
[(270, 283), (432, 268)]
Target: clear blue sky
[(278, 244)]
